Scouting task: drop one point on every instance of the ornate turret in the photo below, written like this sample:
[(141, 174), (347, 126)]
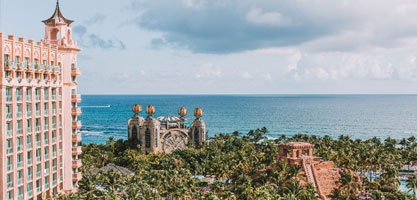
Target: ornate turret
[(57, 17), (150, 131), (135, 123), (198, 127), (58, 30)]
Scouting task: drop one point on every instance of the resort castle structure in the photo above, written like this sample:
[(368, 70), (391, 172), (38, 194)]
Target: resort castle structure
[(39, 125), (165, 134)]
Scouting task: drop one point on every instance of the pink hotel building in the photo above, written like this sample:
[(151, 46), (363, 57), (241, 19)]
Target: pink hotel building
[(40, 141)]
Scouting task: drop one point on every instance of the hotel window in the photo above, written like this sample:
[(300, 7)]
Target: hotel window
[(19, 177), (38, 140), (28, 110), (45, 108), (44, 62), (9, 146), (30, 175), (29, 126), (18, 94), (20, 191), (9, 163), (52, 62), (6, 60), (8, 94), (72, 66), (8, 74), (8, 112), (19, 144), (19, 161), (46, 138), (38, 155), (38, 185), (37, 94), (29, 188), (46, 153), (19, 111), (29, 157), (46, 124), (9, 181), (27, 61), (17, 59), (28, 93), (38, 113), (19, 127), (45, 76), (28, 142), (36, 61), (46, 93), (38, 174)]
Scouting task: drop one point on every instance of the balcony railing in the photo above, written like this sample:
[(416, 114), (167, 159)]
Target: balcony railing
[(46, 171), (76, 137), (75, 71), (9, 150), (9, 115), (38, 143), (38, 174), (46, 156), (29, 114), (54, 182), (54, 97), (46, 127), (38, 98), (30, 177), (76, 111), (29, 193), (9, 184), (54, 111), (47, 186), (19, 164), (29, 161), (28, 97), (19, 181), (9, 133), (39, 189), (76, 98), (8, 98), (45, 112), (76, 125), (53, 126), (9, 167), (29, 129), (19, 115), (53, 168), (38, 128), (20, 197), (19, 131), (76, 176), (18, 97), (38, 158), (19, 148), (54, 154), (38, 113), (76, 163), (28, 145), (76, 150), (46, 141), (46, 97)]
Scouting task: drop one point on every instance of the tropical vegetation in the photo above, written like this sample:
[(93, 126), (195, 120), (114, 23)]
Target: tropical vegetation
[(234, 162)]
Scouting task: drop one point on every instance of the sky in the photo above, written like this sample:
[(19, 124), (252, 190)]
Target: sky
[(234, 46)]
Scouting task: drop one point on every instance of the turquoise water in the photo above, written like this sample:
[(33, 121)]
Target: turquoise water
[(359, 116)]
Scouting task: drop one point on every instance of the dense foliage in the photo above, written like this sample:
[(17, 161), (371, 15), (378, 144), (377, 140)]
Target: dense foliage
[(234, 160)]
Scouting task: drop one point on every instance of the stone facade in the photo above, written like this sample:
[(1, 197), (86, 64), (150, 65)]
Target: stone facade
[(165, 134), (321, 174)]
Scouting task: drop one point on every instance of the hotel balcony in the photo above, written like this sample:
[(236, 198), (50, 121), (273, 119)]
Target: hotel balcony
[(75, 71), (76, 111), (76, 163), (76, 150), (76, 176), (76, 137), (76, 98), (76, 125)]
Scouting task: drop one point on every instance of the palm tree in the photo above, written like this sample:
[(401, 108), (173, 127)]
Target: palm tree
[(412, 185)]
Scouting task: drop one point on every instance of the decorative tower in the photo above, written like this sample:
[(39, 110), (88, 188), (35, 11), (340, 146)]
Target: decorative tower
[(135, 123), (149, 132), (58, 34), (198, 127), (182, 111)]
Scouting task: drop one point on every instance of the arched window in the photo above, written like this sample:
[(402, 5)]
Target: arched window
[(196, 135), (156, 139), (54, 34), (134, 133), (148, 138)]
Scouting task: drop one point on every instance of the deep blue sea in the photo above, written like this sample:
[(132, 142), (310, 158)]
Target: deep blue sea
[(358, 116)]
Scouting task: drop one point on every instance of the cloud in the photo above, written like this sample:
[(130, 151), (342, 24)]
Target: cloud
[(257, 16), (92, 40), (208, 71), (218, 26)]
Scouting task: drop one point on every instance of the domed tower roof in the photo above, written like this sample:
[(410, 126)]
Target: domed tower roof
[(57, 17)]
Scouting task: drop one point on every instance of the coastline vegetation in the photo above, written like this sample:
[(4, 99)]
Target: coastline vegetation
[(234, 160)]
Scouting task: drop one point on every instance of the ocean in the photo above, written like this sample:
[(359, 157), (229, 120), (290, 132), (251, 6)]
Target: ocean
[(358, 116)]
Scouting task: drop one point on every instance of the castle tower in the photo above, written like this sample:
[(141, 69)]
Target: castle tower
[(134, 124), (198, 127), (39, 113), (149, 132)]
